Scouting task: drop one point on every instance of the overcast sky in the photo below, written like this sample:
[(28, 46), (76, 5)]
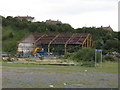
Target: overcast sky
[(77, 13)]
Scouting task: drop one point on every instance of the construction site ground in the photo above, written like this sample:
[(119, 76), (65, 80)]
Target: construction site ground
[(18, 75)]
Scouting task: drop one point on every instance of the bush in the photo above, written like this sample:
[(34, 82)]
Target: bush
[(67, 56), (110, 58), (41, 58), (84, 55)]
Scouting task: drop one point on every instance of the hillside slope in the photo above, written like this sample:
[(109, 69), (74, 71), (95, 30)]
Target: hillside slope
[(14, 30)]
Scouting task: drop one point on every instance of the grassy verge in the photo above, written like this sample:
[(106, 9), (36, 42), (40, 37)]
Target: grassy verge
[(108, 67)]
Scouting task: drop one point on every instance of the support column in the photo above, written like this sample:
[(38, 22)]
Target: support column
[(67, 43), (65, 49), (51, 42), (48, 48), (87, 42), (90, 42)]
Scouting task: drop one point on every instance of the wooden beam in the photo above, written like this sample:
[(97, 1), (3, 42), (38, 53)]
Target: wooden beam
[(90, 41), (84, 42), (92, 44), (40, 38), (87, 42), (79, 39), (33, 45), (67, 43), (51, 42), (58, 43)]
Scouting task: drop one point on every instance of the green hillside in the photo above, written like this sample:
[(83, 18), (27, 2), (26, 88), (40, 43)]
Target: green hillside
[(14, 30)]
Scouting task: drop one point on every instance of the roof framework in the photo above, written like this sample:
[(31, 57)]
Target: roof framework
[(60, 38), (82, 39)]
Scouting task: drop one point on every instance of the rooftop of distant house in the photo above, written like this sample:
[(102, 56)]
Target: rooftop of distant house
[(53, 21), (107, 28), (29, 18)]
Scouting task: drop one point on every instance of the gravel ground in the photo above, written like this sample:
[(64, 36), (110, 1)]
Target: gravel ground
[(23, 77)]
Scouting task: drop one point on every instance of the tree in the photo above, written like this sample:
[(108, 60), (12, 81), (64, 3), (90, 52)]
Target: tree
[(84, 54), (112, 45), (99, 44), (11, 35)]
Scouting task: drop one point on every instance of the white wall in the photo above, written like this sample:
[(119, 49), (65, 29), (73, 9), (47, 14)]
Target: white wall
[(25, 47)]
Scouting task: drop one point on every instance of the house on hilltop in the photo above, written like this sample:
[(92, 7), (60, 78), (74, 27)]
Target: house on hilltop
[(28, 18), (107, 28), (53, 21)]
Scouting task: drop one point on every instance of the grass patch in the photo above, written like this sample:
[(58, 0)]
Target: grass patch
[(103, 79), (108, 67), (81, 83)]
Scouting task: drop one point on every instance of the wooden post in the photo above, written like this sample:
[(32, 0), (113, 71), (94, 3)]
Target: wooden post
[(67, 43), (40, 38), (83, 45), (65, 49), (87, 42), (90, 42), (48, 48), (51, 42)]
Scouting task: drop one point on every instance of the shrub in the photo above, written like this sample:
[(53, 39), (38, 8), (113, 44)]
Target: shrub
[(84, 54), (41, 58), (67, 56), (110, 58)]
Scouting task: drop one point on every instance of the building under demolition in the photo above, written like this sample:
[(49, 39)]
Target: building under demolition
[(45, 44)]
